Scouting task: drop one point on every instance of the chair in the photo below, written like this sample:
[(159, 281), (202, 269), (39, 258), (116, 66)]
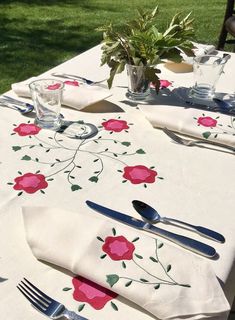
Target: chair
[(228, 26)]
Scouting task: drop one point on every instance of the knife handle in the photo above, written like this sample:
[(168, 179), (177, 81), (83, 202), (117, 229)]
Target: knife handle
[(185, 242)]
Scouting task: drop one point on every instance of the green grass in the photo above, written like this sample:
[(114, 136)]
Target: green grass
[(36, 35)]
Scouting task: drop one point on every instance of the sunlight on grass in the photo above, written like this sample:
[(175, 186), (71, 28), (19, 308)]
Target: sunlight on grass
[(39, 34)]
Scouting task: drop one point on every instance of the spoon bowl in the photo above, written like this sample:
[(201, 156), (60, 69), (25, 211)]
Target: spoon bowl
[(152, 216)]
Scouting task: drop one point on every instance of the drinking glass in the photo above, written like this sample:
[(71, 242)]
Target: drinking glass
[(47, 95), (207, 70)]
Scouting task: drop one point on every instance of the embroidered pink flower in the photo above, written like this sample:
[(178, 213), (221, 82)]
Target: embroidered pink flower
[(72, 83), (92, 293), (54, 86), (118, 248), (26, 129), (207, 121), (30, 182), (164, 84), (115, 125), (139, 174)]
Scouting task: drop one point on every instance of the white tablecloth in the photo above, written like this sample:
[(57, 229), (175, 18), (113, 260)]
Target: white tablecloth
[(192, 184)]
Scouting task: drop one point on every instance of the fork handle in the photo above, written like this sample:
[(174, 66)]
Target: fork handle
[(73, 316), (215, 143)]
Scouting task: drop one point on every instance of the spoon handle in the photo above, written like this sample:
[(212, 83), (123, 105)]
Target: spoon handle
[(185, 242), (201, 230)]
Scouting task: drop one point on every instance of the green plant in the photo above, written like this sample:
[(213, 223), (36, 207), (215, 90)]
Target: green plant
[(139, 42)]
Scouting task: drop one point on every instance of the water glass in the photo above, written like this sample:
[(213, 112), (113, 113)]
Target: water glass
[(138, 85), (47, 95), (207, 70)]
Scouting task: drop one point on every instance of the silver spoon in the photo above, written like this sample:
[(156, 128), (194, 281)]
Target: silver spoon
[(22, 109), (151, 215)]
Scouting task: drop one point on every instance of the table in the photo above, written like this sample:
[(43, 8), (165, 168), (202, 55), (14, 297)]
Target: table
[(195, 185)]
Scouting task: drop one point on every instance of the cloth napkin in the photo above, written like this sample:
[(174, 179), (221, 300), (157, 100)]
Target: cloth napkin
[(199, 50), (193, 122), (163, 279), (75, 95)]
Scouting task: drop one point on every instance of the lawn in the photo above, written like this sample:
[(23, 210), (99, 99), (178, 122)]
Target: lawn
[(36, 35)]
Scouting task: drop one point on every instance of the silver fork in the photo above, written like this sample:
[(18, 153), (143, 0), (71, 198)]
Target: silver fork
[(45, 304), (191, 143), (73, 77)]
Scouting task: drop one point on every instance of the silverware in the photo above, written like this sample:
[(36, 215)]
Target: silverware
[(185, 242), (45, 304), (191, 143), (72, 77), (152, 216), (22, 107)]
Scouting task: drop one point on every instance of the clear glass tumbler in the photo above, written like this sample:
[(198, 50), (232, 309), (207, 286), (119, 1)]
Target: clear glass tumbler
[(47, 95), (206, 70), (138, 85)]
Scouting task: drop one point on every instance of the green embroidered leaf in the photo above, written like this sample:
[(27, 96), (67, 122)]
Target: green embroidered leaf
[(66, 289), (216, 135), (58, 160), (93, 179), (152, 167), (160, 245), (3, 279), (123, 265), (47, 150), (51, 179), (80, 122), (20, 193), (95, 160), (38, 172), (145, 185), (123, 181), (153, 259), (20, 172), (103, 256), (75, 187), (43, 192), (206, 134), (161, 178), (71, 177), (114, 306), (138, 256), (27, 158), (16, 148), (36, 159), (66, 171), (114, 231), (31, 147), (10, 183), (168, 268), (157, 286), (126, 143), (143, 280), (140, 151), (128, 283), (40, 144), (119, 171), (81, 307), (112, 279), (136, 239), (115, 155), (100, 239)]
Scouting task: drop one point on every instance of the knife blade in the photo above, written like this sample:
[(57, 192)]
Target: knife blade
[(185, 242)]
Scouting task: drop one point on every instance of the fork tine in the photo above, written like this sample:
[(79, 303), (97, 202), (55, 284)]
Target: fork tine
[(39, 291), (172, 135), (35, 304), (34, 293)]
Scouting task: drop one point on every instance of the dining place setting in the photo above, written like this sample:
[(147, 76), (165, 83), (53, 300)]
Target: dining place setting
[(117, 182)]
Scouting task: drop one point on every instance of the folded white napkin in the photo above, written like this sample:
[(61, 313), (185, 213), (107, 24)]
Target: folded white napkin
[(193, 122), (167, 281), (199, 50), (75, 95)]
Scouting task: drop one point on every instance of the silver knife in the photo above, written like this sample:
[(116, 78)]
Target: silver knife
[(185, 242)]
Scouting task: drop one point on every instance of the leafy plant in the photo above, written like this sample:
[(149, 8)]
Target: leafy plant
[(139, 42)]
